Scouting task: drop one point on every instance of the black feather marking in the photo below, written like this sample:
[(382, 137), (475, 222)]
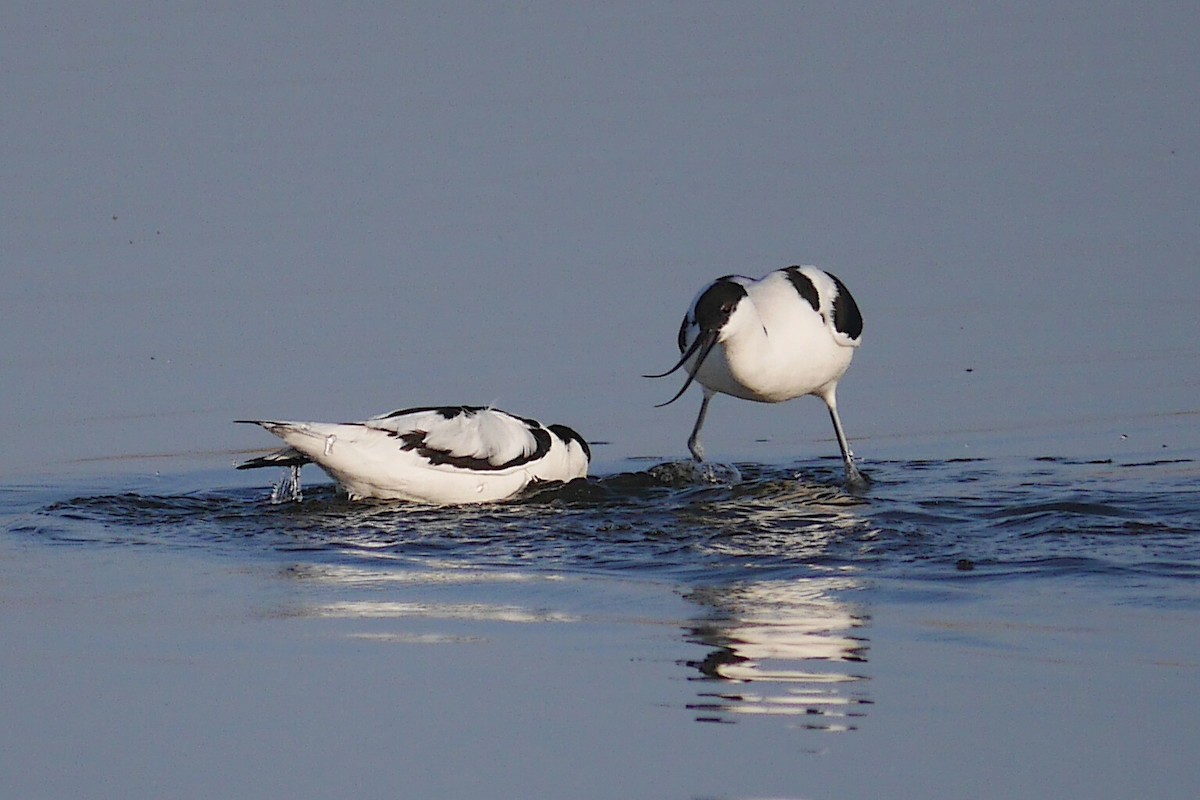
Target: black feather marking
[(683, 328), (281, 458), (415, 441), (804, 287), (445, 412), (710, 311), (568, 435), (412, 439), (532, 424), (846, 316), (716, 305)]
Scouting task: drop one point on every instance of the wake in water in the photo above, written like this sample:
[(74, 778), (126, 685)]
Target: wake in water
[(690, 472), (953, 520)]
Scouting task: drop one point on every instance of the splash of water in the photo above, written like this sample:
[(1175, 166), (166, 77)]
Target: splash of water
[(288, 490)]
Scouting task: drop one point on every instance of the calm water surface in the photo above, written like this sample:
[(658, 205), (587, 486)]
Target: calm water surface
[(781, 613)]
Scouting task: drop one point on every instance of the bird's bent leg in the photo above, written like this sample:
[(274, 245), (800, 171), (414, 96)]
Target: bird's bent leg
[(694, 440)]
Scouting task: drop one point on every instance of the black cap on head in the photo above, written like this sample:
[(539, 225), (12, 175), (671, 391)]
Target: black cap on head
[(714, 307)]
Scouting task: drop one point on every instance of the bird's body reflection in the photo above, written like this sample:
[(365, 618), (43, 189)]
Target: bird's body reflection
[(784, 647)]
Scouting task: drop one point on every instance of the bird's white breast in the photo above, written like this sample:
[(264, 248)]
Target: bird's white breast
[(776, 346)]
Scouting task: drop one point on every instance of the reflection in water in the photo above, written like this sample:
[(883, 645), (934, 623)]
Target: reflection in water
[(447, 572), (478, 612), (342, 580), (769, 561), (781, 647)]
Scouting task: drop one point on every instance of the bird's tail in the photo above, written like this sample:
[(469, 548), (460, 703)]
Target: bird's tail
[(287, 457)]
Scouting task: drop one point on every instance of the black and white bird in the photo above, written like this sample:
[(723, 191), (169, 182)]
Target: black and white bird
[(436, 455), (786, 335)]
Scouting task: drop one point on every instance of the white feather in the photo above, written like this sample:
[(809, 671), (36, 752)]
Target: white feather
[(435, 455)]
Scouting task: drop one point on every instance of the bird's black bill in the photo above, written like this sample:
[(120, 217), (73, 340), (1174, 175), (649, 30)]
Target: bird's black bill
[(682, 359), (705, 342)]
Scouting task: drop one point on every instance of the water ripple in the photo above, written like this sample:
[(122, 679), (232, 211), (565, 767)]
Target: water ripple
[(954, 520), (773, 560)]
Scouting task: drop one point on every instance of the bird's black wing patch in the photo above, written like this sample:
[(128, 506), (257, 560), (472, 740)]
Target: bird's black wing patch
[(416, 441), (846, 317), (804, 287)]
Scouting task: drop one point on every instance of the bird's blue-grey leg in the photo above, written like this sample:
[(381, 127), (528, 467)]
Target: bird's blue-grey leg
[(853, 476), (694, 440)]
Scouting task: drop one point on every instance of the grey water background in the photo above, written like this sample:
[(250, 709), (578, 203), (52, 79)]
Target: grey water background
[(226, 211)]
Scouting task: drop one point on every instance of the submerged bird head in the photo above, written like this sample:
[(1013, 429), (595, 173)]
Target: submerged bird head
[(710, 317)]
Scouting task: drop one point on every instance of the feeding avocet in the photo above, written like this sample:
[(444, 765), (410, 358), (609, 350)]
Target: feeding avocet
[(439, 455), (788, 334)]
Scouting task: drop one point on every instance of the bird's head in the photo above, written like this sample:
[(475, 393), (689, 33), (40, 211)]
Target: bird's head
[(715, 315)]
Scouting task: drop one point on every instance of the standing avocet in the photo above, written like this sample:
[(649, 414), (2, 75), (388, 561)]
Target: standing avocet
[(788, 334), (439, 455)]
